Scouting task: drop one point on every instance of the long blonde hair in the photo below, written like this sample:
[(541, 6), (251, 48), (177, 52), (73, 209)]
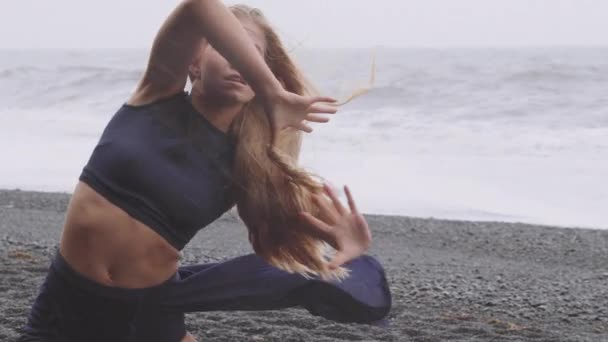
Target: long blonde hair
[(270, 188)]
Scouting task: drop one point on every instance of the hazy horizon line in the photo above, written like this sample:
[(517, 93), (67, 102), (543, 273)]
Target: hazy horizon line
[(385, 47)]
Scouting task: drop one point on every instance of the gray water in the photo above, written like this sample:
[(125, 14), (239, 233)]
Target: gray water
[(483, 134)]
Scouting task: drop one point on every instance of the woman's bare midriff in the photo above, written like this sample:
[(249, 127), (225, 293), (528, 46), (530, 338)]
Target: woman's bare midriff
[(103, 243)]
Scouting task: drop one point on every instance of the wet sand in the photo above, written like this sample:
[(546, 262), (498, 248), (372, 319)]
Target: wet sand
[(451, 280)]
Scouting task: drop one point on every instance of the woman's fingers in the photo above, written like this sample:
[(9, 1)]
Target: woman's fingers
[(338, 259), (327, 209), (341, 210), (351, 201), (303, 127), (316, 118), (368, 233), (322, 99), (322, 108), (301, 108), (315, 222)]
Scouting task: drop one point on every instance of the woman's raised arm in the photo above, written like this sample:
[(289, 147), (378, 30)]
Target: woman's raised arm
[(188, 26)]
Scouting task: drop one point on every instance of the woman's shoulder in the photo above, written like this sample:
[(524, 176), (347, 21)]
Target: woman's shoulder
[(140, 100)]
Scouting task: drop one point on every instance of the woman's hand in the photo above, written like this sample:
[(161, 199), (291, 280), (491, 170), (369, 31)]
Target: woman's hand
[(286, 109), (346, 231)]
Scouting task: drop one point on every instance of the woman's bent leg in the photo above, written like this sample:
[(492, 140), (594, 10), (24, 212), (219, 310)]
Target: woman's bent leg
[(249, 283)]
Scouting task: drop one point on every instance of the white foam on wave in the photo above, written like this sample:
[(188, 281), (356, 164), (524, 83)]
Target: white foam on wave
[(469, 171), (532, 190), (448, 173), (47, 151)]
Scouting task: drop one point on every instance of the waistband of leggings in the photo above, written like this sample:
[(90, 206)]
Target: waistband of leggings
[(60, 265)]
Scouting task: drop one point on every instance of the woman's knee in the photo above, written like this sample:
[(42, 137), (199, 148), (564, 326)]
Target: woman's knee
[(188, 338)]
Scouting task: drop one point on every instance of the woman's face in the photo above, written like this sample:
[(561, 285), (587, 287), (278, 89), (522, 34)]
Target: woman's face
[(219, 80)]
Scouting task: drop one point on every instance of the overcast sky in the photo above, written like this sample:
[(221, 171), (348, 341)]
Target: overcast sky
[(319, 23)]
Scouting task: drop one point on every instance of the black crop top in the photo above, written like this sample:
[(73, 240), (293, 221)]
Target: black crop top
[(164, 164)]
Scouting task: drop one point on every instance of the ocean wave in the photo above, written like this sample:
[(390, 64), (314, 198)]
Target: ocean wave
[(81, 73), (558, 74)]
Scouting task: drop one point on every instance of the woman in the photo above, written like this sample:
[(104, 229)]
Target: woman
[(168, 163)]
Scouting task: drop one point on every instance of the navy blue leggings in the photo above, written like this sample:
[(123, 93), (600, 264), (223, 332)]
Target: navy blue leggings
[(72, 308)]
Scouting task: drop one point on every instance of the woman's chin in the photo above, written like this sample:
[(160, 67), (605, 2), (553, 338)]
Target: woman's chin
[(230, 96), (237, 98)]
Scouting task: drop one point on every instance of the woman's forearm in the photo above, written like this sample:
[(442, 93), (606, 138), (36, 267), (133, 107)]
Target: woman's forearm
[(226, 34)]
